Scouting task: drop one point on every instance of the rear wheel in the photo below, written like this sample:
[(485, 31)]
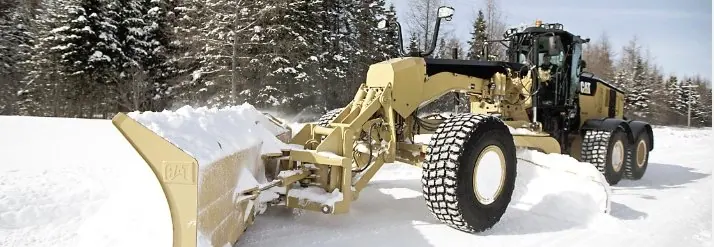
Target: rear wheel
[(638, 157), (469, 172), (607, 151)]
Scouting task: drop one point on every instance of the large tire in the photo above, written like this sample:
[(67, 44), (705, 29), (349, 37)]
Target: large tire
[(450, 167), (638, 157), (607, 151), (325, 119)]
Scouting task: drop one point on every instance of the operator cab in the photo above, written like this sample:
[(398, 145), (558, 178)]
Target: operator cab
[(551, 49), (548, 48)]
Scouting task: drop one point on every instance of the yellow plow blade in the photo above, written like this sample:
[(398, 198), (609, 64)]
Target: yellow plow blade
[(206, 206)]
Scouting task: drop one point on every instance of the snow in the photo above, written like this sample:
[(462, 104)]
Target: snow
[(87, 174), (521, 131), (153, 11), (98, 56), (288, 173), (670, 206), (316, 194), (62, 180), (72, 182), (210, 134), (246, 181)]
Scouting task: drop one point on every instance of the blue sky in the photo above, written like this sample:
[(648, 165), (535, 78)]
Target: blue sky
[(678, 33)]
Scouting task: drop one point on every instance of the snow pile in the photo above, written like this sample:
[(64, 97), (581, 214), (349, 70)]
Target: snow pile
[(76, 182), (561, 187), (210, 134)]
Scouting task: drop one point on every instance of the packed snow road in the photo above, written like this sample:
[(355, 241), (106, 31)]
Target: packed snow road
[(670, 206)]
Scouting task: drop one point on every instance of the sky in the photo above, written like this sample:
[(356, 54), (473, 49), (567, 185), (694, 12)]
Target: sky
[(677, 33)]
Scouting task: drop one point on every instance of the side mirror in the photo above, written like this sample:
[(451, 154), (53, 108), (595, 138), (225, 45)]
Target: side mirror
[(382, 24), (446, 12)]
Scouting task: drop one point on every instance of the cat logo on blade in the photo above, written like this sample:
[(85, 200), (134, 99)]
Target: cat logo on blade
[(179, 172), (585, 87)]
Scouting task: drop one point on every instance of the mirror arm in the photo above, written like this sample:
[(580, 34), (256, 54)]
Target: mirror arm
[(434, 38), (401, 41)]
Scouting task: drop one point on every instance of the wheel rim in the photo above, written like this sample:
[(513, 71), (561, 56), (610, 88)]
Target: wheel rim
[(618, 155), (641, 153), (489, 174)]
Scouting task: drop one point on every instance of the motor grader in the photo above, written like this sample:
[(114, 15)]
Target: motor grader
[(469, 165), (540, 99)]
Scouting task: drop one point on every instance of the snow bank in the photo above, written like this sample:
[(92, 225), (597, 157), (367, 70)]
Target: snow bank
[(76, 182)]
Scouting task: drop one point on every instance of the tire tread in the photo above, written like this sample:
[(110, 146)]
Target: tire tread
[(440, 169)]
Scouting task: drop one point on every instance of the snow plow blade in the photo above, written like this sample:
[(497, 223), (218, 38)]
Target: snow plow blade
[(176, 171), (206, 208)]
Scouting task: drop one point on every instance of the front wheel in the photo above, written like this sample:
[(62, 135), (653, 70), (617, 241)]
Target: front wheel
[(469, 172)]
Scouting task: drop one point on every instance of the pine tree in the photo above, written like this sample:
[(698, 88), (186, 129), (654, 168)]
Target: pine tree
[(131, 85), (390, 38), (146, 40), (478, 38), (365, 37), (637, 101), (633, 77), (88, 48), (286, 83), (44, 83), (413, 44), (700, 98), (207, 33), (671, 107), (15, 49), (334, 53), (161, 64)]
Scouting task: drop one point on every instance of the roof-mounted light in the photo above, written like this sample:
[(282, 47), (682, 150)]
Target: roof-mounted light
[(556, 26)]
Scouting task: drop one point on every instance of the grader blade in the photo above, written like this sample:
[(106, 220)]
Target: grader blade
[(210, 203)]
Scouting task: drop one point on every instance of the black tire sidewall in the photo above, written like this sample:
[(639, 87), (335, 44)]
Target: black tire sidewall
[(476, 214)]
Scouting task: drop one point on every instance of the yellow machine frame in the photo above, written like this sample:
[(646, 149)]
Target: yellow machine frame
[(394, 90)]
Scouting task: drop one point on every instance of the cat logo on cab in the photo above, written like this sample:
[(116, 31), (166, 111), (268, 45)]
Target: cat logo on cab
[(585, 87)]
